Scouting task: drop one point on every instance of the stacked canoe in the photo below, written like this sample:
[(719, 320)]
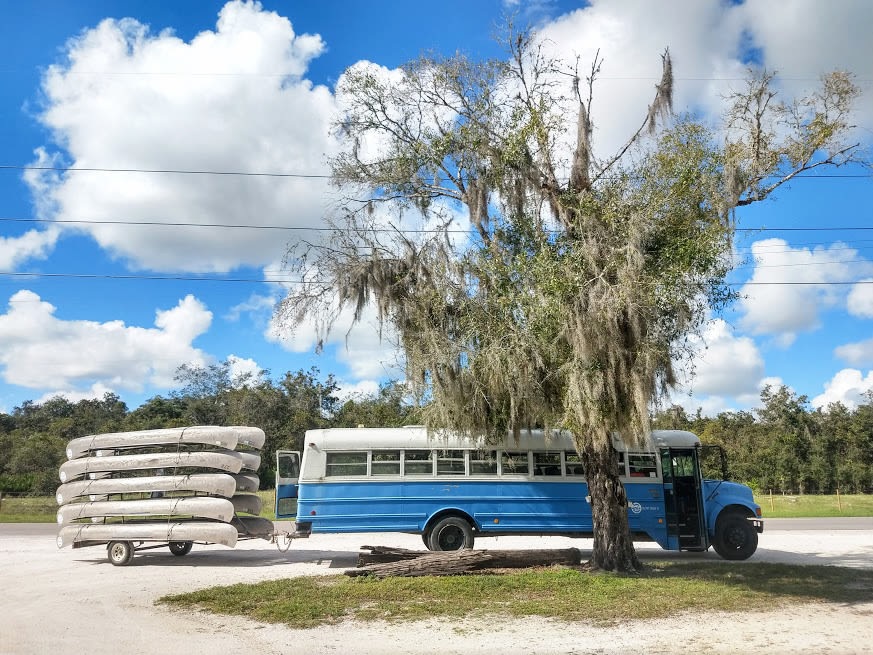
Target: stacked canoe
[(176, 485)]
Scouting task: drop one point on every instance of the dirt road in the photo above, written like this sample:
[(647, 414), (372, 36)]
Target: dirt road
[(73, 600)]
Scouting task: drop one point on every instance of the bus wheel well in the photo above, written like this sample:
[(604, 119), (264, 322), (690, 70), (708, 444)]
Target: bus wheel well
[(446, 513), (730, 510)]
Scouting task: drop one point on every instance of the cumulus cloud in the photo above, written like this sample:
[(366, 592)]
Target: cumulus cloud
[(254, 304), (96, 391), (243, 371), (859, 353), (41, 351), (783, 310), (860, 300), (33, 244), (231, 99), (709, 47), (725, 371), (849, 387), (361, 389)]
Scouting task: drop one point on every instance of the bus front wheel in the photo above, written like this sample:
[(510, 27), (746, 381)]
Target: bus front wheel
[(735, 537), (450, 533)]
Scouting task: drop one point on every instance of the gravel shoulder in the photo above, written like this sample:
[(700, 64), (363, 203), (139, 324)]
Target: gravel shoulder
[(62, 600)]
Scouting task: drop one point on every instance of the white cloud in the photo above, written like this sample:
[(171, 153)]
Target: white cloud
[(256, 303), (707, 42), (363, 388), (33, 244), (859, 353), (785, 310), (96, 391), (360, 346), (232, 99), (41, 351), (860, 300), (848, 386), (243, 371)]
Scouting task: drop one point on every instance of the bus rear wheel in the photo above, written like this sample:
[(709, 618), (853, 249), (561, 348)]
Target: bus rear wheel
[(450, 533), (735, 537)]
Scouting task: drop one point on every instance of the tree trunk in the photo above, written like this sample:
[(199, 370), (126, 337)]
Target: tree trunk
[(387, 562), (613, 546)]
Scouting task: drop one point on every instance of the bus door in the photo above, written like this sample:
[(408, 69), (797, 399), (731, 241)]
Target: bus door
[(287, 474), (683, 499)]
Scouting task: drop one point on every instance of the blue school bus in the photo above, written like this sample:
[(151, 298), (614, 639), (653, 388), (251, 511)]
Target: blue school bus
[(452, 491)]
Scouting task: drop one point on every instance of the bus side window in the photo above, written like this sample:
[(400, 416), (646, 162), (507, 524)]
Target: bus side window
[(548, 464), (450, 462), (514, 463), (418, 462), (483, 462), (343, 464), (642, 466), (573, 464), (385, 462)]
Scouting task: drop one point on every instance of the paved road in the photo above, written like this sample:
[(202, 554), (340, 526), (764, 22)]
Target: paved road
[(770, 525)]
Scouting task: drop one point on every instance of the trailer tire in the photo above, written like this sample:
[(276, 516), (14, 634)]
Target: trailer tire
[(735, 537), (119, 552), (181, 548)]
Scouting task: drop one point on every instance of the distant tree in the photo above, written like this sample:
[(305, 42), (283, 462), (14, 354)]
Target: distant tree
[(585, 274), (388, 407)]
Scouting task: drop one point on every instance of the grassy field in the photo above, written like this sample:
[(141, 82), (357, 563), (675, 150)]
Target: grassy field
[(566, 594), (42, 509), (803, 506)]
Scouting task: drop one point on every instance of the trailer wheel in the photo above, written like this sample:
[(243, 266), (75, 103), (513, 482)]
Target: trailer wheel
[(735, 537), (119, 552), (180, 548)]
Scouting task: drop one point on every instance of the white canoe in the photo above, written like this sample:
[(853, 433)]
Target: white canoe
[(247, 482), (227, 460), (96, 533), (254, 526), (250, 461), (217, 484), (213, 435), (247, 503), (249, 436), (203, 507)]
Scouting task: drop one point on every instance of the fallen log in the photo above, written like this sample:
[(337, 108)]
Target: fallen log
[(382, 554), (413, 563)]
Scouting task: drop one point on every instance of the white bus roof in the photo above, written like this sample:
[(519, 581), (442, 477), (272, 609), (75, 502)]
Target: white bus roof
[(418, 437)]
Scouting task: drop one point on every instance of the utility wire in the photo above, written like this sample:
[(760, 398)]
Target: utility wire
[(101, 276), (313, 228), (95, 169)]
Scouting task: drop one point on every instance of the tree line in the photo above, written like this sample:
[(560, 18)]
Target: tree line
[(784, 446)]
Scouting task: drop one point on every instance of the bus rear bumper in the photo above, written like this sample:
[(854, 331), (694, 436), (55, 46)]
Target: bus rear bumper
[(759, 524)]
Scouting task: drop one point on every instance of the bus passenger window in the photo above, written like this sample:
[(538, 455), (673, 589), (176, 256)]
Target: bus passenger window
[(643, 466), (418, 462), (450, 462), (343, 464), (620, 467), (385, 462), (547, 464), (573, 463), (483, 462), (514, 463)]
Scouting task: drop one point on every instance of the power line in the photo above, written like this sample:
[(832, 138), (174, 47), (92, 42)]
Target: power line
[(315, 228), (95, 169), (184, 278)]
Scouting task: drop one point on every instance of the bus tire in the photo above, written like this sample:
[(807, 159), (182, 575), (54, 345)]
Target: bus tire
[(735, 537), (450, 533)]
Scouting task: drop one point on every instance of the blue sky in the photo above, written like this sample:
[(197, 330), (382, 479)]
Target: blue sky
[(254, 92)]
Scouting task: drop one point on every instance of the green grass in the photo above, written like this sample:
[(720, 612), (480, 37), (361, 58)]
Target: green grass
[(28, 509), (815, 506), (566, 594)]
